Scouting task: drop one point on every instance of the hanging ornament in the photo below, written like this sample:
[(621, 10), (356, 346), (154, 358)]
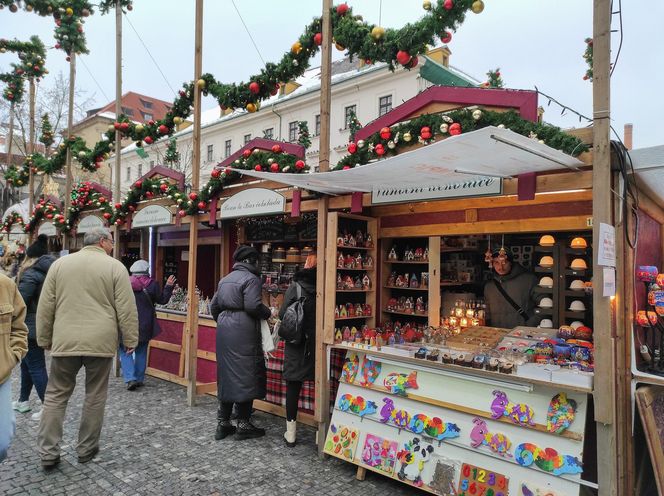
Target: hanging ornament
[(215, 173), (163, 129), (385, 133), (258, 168), (201, 84), (477, 114), (413, 62), (246, 153), (426, 5), (425, 133), (477, 7), (379, 149), (274, 167), (488, 254), (403, 57), (448, 4), (318, 39), (407, 137), (447, 37), (360, 144), (455, 129), (193, 196), (448, 119), (342, 8), (352, 148), (201, 205), (254, 87), (299, 165), (276, 149), (251, 108), (443, 128), (391, 145), (339, 47), (296, 48), (377, 33)]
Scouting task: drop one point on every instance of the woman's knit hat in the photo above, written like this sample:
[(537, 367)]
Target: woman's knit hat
[(38, 248), (244, 252), (140, 267)]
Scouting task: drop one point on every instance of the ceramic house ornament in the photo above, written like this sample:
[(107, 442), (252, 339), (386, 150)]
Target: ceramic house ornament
[(341, 261), (359, 238), (393, 254), (366, 282), (358, 261), (425, 255), (368, 242), (413, 282), (419, 254), (368, 262)]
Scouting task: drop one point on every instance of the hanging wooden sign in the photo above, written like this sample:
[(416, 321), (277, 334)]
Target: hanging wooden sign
[(152, 215), (88, 223), (48, 229), (253, 202)]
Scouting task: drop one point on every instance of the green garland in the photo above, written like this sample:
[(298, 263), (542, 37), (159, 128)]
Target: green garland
[(44, 209), (83, 196), (47, 138), (17, 176), (172, 156), (428, 128), (353, 125), (303, 137), (588, 57), (107, 5), (14, 218), (494, 80), (145, 189), (32, 55)]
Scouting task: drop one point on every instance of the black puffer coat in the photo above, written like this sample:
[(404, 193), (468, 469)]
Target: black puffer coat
[(238, 310), (519, 284), (30, 285), (299, 359)]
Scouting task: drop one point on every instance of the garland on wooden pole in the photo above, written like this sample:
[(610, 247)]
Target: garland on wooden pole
[(588, 57), (32, 56), (44, 209)]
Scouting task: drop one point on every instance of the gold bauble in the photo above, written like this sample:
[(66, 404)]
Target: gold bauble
[(251, 107), (139, 128), (407, 137), (69, 11), (426, 5), (377, 33), (177, 120), (201, 83), (477, 7), (296, 48), (340, 47)]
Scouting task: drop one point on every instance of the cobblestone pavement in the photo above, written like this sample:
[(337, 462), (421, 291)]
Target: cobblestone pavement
[(153, 444)]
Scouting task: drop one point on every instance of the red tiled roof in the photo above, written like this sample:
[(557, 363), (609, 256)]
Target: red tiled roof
[(140, 105)]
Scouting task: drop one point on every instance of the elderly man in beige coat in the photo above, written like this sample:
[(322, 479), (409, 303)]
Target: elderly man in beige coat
[(85, 304)]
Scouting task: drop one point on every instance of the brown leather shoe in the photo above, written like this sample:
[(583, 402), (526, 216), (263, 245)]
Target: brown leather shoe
[(50, 464), (89, 456)]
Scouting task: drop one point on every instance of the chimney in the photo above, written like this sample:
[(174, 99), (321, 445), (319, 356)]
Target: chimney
[(627, 136)]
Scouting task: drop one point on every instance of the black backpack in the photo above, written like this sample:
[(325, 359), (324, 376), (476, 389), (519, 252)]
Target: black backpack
[(291, 327)]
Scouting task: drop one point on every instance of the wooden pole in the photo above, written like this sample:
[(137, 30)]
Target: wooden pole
[(192, 305), (118, 111), (31, 148), (322, 414), (70, 124), (11, 136), (604, 391)]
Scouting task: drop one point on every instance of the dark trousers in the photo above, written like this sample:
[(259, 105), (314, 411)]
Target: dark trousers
[(293, 389), (33, 372), (243, 410)]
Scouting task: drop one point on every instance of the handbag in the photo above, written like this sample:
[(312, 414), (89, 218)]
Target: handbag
[(267, 338), (291, 329)]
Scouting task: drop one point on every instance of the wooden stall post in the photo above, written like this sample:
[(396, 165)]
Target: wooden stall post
[(70, 124), (604, 390), (31, 148), (118, 111), (192, 305), (322, 407)]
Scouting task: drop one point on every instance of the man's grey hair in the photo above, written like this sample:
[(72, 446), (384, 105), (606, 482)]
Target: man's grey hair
[(94, 236)]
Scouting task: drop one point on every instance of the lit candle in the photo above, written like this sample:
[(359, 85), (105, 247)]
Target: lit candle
[(464, 322)]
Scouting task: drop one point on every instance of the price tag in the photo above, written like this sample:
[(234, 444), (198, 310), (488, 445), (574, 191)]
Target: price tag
[(476, 481)]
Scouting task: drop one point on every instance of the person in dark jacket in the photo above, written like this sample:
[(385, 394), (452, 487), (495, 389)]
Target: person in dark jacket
[(147, 293), (299, 358), (241, 376), (30, 278), (519, 284)]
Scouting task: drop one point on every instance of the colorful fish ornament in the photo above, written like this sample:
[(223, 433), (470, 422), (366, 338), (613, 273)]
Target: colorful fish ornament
[(397, 383), (560, 414), (370, 371), (349, 371)]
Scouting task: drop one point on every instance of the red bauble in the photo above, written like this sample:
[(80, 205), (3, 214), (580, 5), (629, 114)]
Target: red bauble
[(346, 167), (425, 130), (124, 126), (447, 38), (163, 129), (193, 196), (182, 93), (385, 133), (274, 167), (379, 149), (352, 148), (49, 216), (276, 149), (201, 205), (102, 199), (163, 187), (403, 57), (413, 62), (107, 215), (258, 168), (455, 129), (228, 170), (116, 125), (119, 222), (448, 4), (246, 153), (342, 8), (149, 194), (182, 213), (118, 206), (131, 208), (151, 122), (215, 173), (138, 184), (299, 164), (318, 39), (254, 87)]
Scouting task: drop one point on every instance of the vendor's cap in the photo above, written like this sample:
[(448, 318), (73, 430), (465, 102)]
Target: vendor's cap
[(579, 243), (546, 323), (140, 267), (577, 284), (579, 264), (496, 253), (547, 240), (577, 306), (546, 261), (244, 252), (546, 303), (546, 282)]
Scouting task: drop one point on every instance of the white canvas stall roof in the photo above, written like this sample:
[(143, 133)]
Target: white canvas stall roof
[(649, 171), (487, 152)]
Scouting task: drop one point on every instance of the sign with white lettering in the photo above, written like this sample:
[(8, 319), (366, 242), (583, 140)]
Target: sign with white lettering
[(16, 233), (89, 223), (472, 186), (48, 229), (252, 202), (152, 215)]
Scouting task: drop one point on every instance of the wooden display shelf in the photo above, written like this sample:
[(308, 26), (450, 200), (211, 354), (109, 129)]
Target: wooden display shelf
[(576, 251), (281, 241), (355, 290), (544, 270), (457, 283), (362, 270), (544, 249), (539, 289), (451, 249), (344, 247), (576, 272), (412, 262), (543, 311), (354, 318), (407, 314), (407, 289), (577, 294), (573, 314)]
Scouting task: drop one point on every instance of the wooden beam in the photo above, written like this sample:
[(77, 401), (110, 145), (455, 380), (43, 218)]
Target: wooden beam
[(192, 306), (650, 207), (206, 388), (471, 215), (434, 294), (573, 223), (70, 125), (164, 345), (118, 111), (274, 409), (160, 374), (604, 384), (31, 149)]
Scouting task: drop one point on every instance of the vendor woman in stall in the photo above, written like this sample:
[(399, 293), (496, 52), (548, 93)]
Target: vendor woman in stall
[(509, 295)]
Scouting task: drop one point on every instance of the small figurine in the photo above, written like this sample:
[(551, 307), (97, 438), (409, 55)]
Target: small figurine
[(419, 253), (367, 310), (346, 239), (357, 284), (413, 281), (419, 305), (359, 238), (399, 283), (366, 282), (392, 279), (338, 336), (350, 309), (358, 261), (425, 255), (340, 282), (352, 242), (401, 304), (393, 254), (340, 241), (368, 242), (392, 305), (424, 278), (349, 283), (343, 313), (357, 334), (409, 305), (359, 311), (346, 333), (349, 262), (409, 255), (368, 262), (337, 312), (341, 261)]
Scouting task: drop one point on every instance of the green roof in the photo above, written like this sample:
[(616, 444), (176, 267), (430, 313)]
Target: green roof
[(440, 75)]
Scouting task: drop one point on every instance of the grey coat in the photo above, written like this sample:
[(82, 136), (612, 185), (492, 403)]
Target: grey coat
[(238, 310), (519, 284)]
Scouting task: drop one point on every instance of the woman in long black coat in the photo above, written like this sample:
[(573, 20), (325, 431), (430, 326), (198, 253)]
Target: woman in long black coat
[(299, 358), (241, 376)]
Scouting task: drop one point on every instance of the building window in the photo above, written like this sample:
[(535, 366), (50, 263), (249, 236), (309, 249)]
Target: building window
[(348, 113), (128, 173), (210, 151), (227, 149), (140, 170), (384, 105), (127, 111), (146, 116), (292, 131), (146, 104), (317, 126), (151, 164), (247, 138), (268, 133)]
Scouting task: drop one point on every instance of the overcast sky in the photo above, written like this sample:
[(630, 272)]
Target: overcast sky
[(535, 43)]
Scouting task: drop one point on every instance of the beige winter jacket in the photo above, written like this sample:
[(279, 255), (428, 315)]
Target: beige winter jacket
[(85, 302), (13, 332)]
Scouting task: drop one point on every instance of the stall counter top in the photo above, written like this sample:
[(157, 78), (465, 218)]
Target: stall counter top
[(204, 320), (462, 370)]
